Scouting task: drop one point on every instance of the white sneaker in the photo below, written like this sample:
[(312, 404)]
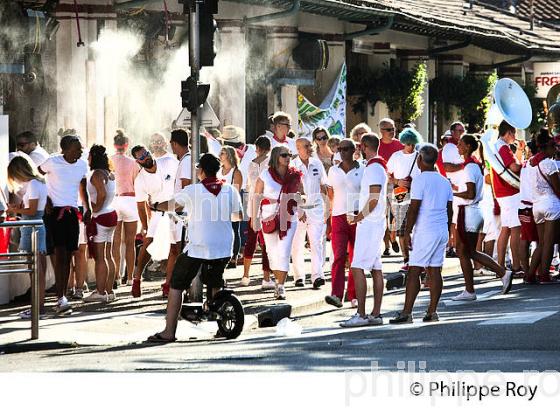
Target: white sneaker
[(506, 282), (129, 283), (62, 307), (375, 320), (280, 292), (478, 272), (464, 296), (356, 321), (96, 297), (111, 297), (268, 285), (354, 303), (245, 281)]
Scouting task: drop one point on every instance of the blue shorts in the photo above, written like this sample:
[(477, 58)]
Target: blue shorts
[(26, 232)]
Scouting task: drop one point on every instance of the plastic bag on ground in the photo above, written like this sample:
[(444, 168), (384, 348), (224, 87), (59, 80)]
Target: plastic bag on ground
[(287, 327)]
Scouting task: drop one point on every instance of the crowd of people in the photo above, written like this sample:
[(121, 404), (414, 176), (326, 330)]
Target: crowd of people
[(368, 195)]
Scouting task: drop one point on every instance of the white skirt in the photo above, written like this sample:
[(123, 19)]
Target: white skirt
[(279, 250)]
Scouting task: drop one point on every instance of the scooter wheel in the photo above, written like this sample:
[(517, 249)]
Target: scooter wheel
[(232, 316)]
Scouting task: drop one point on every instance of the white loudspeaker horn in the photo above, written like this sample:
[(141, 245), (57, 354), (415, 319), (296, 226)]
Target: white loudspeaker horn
[(512, 105)]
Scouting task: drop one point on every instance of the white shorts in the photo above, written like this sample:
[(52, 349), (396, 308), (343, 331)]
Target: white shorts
[(368, 245), (127, 208), (473, 219), (546, 209), (104, 234), (82, 238), (509, 208), (428, 248), (492, 228), (455, 207)]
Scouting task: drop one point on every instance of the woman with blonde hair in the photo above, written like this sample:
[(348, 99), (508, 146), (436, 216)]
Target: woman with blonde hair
[(277, 192), (230, 173), (24, 177)]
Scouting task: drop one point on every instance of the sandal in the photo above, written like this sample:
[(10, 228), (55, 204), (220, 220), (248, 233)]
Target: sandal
[(158, 338)]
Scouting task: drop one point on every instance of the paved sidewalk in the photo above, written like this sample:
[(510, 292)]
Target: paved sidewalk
[(129, 320)]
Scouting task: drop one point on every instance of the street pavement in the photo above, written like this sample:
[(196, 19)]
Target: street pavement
[(514, 332)]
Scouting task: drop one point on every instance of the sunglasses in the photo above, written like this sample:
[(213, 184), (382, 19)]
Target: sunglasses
[(347, 149), (388, 129), (143, 157), (285, 154), (323, 138), (286, 124)]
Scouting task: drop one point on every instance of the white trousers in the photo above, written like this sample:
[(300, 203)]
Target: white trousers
[(316, 232)]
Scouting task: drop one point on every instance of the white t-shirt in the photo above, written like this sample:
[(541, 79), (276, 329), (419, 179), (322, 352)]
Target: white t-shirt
[(288, 142), (248, 157), (35, 190), (39, 155), (541, 187), (254, 171), (472, 173), (374, 174), (209, 230), (346, 188), (63, 179), (450, 155), (435, 192), (183, 171), (402, 165), (314, 176), (159, 186)]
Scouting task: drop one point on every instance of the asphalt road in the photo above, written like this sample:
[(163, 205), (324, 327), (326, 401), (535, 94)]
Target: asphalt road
[(512, 333)]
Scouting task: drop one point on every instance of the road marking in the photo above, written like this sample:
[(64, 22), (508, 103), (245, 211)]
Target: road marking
[(518, 318), (479, 297)]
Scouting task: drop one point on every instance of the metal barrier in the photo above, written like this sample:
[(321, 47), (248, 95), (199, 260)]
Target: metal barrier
[(30, 262)]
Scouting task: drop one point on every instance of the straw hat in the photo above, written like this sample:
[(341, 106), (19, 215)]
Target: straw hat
[(234, 134)]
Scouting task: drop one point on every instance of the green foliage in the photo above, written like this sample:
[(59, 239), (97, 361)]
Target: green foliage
[(400, 89), (539, 117), (470, 94)]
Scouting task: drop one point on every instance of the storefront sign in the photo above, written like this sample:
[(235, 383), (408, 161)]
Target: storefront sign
[(546, 75)]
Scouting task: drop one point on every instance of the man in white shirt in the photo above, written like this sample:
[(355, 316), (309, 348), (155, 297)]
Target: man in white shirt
[(28, 143), (314, 224), (66, 180), (453, 164), (154, 183), (210, 206), (429, 214), (370, 231), (282, 126), (344, 181)]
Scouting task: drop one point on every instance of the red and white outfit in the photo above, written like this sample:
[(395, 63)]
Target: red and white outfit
[(246, 153), (506, 195), (126, 170), (470, 218), (314, 176), (431, 232), (184, 171), (346, 200), (528, 226), (287, 142), (105, 220), (369, 243)]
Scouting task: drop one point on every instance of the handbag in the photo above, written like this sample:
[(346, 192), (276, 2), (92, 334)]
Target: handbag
[(273, 224), (399, 192)]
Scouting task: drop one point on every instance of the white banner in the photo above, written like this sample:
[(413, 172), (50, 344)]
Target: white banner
[(545, 76)]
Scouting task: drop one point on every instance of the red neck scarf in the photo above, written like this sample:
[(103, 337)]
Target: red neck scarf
[(241, 150), (536, 159), (279, 140), (290, 184), (213, 185), (378, 160), (472, 160)]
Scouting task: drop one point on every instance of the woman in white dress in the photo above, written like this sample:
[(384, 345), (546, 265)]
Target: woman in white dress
[(277, 193), (101, 188), (546, 208), (231, 174)]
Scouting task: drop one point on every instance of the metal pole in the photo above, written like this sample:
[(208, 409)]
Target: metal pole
[(194, 58), (35, 300), (195, 292)]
